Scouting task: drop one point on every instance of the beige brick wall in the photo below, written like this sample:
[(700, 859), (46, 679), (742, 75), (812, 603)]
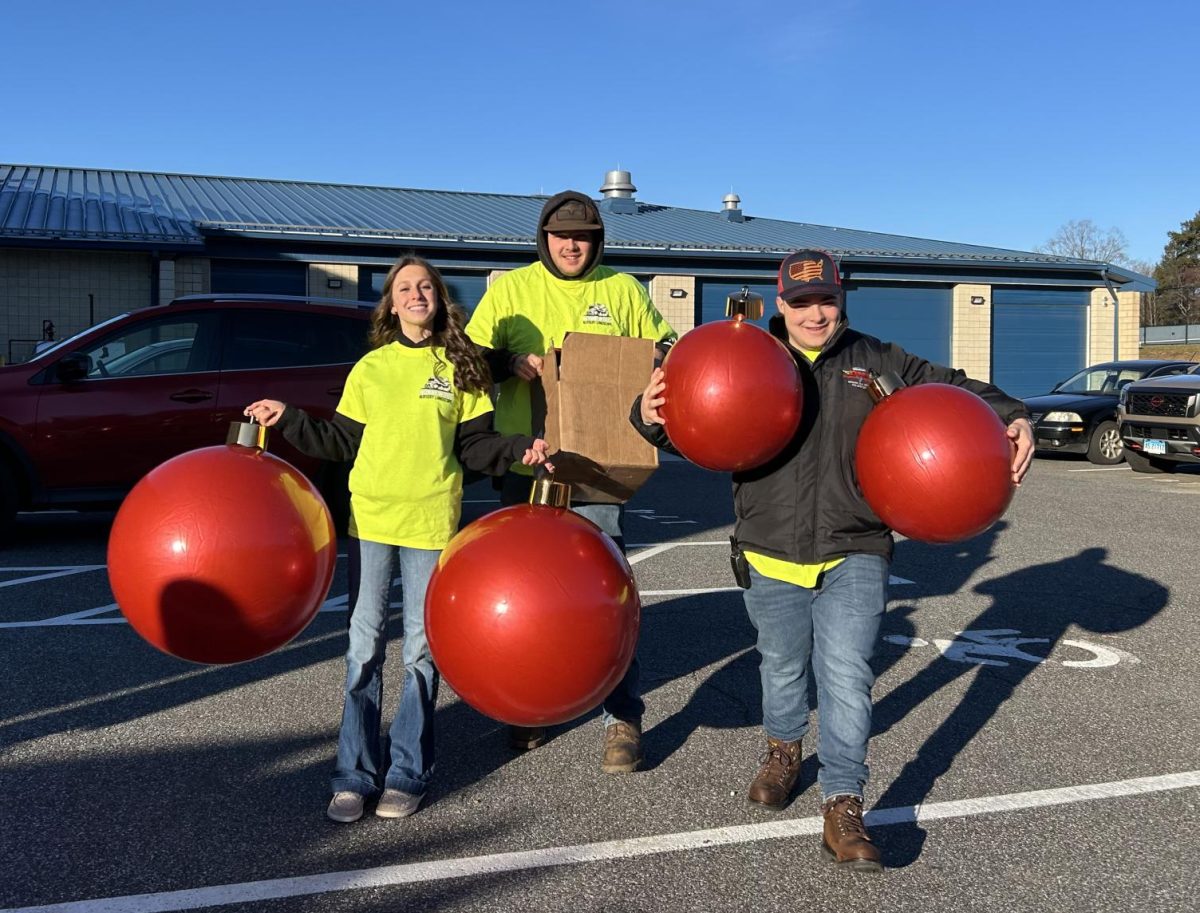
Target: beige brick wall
[(1129, 322), (1100, 325), (183, 276), (679, 312), (971, 331), (193, 276), (319, 275), (37, 285)]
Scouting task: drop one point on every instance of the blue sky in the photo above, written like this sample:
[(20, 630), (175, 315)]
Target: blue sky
[(988, 123)]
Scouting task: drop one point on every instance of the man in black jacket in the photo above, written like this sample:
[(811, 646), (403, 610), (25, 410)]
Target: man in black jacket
[(817, 556)]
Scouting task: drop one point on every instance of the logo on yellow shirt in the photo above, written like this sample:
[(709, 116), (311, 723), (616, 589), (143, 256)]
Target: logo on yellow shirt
[(597, 313), (437, 388)]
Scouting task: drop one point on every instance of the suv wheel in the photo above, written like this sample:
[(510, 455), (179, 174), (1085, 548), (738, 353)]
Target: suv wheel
[(1105, 447), (1139, 462)]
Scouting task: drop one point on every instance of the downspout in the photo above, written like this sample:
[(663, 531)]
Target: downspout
[(1116, 305)]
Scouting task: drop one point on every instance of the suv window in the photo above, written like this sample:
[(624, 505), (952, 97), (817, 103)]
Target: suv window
[(168, 345), (282, 339)]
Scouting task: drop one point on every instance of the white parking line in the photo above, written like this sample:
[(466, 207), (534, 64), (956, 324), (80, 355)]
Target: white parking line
[(1121, 468), (52, 572), (475, 866)]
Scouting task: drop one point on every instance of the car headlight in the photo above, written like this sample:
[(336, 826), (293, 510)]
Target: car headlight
[(1062, 417)]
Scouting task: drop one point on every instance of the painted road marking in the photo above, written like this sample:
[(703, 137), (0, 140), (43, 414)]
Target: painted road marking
[(335, 603), (995, 646), (475, 866), (53, 572)]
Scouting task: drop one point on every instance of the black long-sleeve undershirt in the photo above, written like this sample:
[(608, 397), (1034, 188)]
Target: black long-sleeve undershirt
[(477, 445)]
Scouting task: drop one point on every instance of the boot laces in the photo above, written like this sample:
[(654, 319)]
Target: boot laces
[(849, 818), (775, 763)]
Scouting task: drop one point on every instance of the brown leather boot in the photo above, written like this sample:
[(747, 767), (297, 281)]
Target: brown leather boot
[(622, 748), (846, 841), (526, 738), (777, 775)]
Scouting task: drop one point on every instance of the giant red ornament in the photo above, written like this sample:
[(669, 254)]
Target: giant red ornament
[(733, 395), (935, 463), (532, 615), (221, 554)]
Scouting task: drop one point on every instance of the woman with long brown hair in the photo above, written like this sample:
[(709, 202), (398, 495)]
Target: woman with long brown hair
[(415, 411)]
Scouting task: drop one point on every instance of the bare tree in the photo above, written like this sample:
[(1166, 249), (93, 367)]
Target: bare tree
[(1082, 239)]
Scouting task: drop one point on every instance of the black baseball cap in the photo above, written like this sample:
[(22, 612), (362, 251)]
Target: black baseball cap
[(809, 272)]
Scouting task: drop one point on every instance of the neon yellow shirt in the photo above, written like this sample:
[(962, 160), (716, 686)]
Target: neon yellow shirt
[(530, 309), (805, 575), (406, 483)]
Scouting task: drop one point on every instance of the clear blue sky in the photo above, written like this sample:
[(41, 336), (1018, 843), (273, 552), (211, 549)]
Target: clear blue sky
[(988, 123)]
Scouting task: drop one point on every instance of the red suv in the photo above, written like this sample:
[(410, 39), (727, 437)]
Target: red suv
[(85, 419)]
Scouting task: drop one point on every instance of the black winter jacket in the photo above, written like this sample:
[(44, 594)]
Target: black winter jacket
[(805, 505)]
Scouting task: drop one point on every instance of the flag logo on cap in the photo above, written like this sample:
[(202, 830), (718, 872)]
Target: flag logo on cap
[(805, 270)]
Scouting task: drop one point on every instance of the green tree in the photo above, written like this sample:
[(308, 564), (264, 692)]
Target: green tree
[(1178, 274)]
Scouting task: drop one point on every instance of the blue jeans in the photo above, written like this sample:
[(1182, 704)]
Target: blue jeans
[(409, 752), (835, 627), (625, 701)]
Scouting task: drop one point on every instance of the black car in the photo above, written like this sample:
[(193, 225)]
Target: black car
[(1080, 414)]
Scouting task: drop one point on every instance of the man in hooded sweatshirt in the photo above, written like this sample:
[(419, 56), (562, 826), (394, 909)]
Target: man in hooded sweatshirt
[(523, 314)]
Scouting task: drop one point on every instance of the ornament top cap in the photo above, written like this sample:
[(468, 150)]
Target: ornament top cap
[(247, 434), (744, 304), (548, 493)]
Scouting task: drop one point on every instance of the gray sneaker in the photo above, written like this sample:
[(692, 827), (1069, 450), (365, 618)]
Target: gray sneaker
[(345, 807), (395, 803)]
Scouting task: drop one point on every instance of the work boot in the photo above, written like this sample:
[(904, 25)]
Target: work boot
[(526, 738), (622, 748), (846, 841), (777, 776)]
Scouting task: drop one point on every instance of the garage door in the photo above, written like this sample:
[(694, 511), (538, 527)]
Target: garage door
[(916, 317), (260, 277), (1039, 337), (466, 288)]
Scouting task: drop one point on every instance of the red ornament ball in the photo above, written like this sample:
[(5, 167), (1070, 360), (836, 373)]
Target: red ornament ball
[(221, 554), (935, 463), (733, 396), (532, 615)]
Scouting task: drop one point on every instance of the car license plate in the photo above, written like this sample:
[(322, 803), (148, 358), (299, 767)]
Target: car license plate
[(1153, 445)]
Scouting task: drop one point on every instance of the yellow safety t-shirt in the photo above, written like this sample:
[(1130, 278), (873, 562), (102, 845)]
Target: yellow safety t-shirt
[(406, 483), (805, 575), (530, 309)]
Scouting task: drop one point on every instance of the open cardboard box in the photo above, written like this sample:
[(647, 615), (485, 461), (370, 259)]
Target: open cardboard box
[(589, 385)]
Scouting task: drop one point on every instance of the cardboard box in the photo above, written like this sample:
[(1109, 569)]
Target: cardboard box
[(589, 385)]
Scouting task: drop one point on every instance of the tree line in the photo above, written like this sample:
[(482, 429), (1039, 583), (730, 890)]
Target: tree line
[(1177, 273)]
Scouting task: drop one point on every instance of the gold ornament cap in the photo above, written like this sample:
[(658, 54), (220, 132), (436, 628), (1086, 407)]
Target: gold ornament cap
[(548, 493), (881, 386), (247, 434), (744, 304)]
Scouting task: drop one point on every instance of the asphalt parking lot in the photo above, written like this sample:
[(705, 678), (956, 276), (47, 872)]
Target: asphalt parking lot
[(1036, 742)]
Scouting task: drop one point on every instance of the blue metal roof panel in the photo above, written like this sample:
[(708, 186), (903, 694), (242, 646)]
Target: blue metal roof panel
[(38, 201)]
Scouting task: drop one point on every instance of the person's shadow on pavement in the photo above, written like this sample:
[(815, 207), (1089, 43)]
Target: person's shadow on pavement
[(1081, 591)]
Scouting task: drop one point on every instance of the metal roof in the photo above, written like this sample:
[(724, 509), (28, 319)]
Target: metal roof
[(90, 205)]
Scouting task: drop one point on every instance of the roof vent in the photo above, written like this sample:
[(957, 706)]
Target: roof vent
[(618, 191), (618, 184), (731, 207)]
